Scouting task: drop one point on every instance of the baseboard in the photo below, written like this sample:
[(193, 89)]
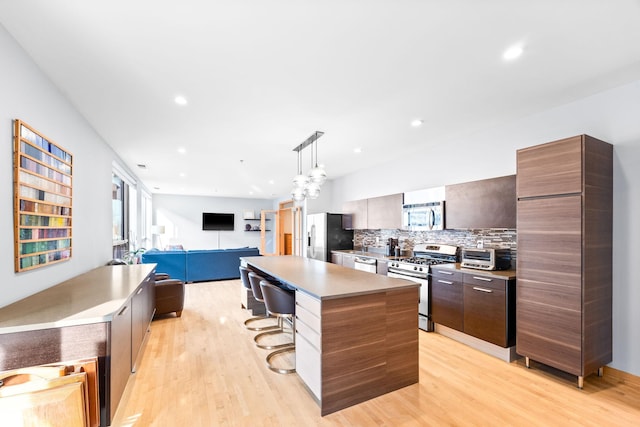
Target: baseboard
[(507, 354), (621, 376)]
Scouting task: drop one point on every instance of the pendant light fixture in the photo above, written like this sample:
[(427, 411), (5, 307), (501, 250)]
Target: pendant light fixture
[(308, 186)]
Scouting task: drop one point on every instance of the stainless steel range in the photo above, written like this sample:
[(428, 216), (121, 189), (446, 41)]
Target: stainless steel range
[(417, 269)]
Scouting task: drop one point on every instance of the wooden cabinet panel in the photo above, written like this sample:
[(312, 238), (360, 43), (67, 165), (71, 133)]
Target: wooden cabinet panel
[(348, 261), (550, 169), (336, 258), (385, 212), (358, 211), (489, 309), (120, 369), (564, 254), (447, 302), (487, 203)]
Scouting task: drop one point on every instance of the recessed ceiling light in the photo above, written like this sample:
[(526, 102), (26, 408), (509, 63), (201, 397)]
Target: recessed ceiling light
[(271, 181), (182, 150), (180, 100), (182, 174), (357, 150), (417, 123), (512, 53)]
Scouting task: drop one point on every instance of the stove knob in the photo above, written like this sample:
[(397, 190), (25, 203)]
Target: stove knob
[(415, 268), (420, 269)]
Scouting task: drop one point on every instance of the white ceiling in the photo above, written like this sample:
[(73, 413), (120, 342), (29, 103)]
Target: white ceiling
[(261, 76)]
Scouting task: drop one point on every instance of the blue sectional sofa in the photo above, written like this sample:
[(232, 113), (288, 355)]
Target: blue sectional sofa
[(199, 265)]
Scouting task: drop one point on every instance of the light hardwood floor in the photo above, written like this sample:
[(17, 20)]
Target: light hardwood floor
[(203, 370)]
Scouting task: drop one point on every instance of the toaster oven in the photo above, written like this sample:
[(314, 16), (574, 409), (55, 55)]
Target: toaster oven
[(486, 258)]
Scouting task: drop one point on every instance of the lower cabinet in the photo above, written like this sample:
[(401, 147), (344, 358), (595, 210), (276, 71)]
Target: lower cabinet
[(489, 309), (447, 298), (142, 306), (336, 258), (120, 367), (477, 304), (348, 261)]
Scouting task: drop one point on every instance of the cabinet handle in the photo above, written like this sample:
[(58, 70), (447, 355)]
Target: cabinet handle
[(448, 273), (125, 308), (484, 279), (489, 291), (139, 291), (446, 282)]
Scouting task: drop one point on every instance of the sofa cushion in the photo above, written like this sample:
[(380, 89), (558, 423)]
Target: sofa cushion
[(174, 263)]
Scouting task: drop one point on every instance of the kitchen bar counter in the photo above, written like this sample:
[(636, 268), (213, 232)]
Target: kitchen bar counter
[(324, 280), (498, 274), (356, 332)]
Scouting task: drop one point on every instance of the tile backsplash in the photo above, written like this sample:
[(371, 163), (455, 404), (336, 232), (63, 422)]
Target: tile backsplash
[(491, 238)]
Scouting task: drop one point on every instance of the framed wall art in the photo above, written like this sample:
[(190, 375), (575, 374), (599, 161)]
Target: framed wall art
[(43, 197)]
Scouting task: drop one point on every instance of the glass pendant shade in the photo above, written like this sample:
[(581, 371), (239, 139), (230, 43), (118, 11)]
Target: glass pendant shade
[(312, 190), (300, 180), (298, 194), (317, 175)]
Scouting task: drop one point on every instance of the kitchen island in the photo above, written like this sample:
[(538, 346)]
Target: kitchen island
[(356, 332)]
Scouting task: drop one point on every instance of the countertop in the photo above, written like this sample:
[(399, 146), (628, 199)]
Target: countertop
[(91, 297), (325, 280), (499, 274), (375, 255)]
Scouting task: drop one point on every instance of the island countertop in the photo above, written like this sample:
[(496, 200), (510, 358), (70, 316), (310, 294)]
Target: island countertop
[(324, 280), (91, 297)]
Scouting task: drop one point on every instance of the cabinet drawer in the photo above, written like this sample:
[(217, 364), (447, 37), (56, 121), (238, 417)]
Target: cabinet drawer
[(484, 282), (485, 314), (307, 331), (446, 274), (309, 319), (308, 302), (309, 365)]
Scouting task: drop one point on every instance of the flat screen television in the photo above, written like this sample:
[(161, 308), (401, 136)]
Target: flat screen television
[(217, 221)]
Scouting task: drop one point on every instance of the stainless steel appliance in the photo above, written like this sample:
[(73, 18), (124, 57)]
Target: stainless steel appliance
[(325, 232), (365, 264), (486, 258), (417, 269), (423, 210), (423, 216)]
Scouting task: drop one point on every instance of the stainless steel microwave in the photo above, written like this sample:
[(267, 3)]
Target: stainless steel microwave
[(423, 216)]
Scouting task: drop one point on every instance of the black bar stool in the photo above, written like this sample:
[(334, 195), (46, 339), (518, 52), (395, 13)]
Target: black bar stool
[(244, 276), (255, 280), (281, 304)]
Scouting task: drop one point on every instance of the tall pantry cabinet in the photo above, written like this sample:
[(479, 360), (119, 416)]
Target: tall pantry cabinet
[(564, 223)]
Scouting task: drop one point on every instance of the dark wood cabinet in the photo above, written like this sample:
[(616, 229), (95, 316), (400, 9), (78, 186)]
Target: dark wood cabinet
[(142, 308), (336, 258), (489, 309), (447, 302), (376, 213), (487, 203), (564, 260)]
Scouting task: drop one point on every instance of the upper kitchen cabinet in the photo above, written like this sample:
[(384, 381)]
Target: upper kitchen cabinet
[(383, 212), (554, 170), (358, 211), (488, 203)]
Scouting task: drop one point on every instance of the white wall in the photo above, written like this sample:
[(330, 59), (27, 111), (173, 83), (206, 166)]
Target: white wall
[(182, 218), (26, 94), (613, 116)]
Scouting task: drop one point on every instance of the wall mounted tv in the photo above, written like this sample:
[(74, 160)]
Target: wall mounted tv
[(217, 221)]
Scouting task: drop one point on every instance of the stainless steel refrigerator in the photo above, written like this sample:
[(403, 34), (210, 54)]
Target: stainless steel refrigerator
[(326, 232)]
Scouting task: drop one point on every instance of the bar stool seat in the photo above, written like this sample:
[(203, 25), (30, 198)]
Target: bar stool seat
[(244, 276), (255, 280), (281, 304)]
